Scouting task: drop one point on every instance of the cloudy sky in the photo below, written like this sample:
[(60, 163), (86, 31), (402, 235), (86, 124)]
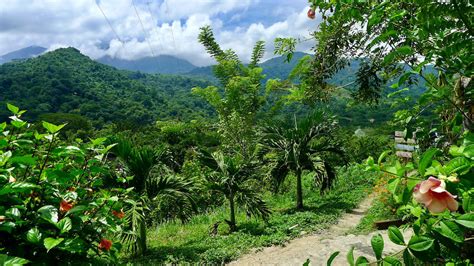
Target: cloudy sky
[(169, 26)]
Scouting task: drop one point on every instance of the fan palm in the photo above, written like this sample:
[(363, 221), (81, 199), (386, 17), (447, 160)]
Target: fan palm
[(234, 178), (306, 145)]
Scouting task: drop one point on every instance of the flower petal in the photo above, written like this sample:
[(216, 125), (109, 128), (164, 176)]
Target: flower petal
[(437, 206), (424, 198), (453, 205), (428, 184)]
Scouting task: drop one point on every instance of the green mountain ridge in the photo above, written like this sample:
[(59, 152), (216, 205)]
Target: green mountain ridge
[(67, 81)]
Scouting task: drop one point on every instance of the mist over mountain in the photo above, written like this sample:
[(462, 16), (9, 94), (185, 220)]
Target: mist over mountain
[(164, 64)]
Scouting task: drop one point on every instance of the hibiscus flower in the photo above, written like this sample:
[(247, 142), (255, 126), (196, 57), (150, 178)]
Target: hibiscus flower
[(105, 244)]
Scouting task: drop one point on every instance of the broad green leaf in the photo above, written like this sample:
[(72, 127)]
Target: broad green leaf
[(389, 261), (377, 245), (468, 202), (16, 187), (15, 261), (306, 263), (332, 258), (426, 159), (395, 235), (469, 151), (18, 123), (13, 108), (25, 160), (3, 126), (13, 212), (407, 258), (4, 157), (49, 213), (98, 141), (33, 235), (404, 50), (457, 165), (383, 155), (420, 243), (50, 242), (362, 261), (350, 256), (64, 225), (78, 208), (466, 220), (51, 128), (450, 230)]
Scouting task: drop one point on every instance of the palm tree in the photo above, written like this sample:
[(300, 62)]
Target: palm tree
[(155, 182), (306, 145), (234, 178)]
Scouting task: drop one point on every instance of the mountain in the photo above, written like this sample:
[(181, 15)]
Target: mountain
[(66, 81), (24, 53), (273, 68), (164, 64)]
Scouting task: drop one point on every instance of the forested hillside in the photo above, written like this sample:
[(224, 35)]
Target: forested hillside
[(68, 82)]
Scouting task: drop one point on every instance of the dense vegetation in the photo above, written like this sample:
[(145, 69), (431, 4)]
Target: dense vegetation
[(119, 166)]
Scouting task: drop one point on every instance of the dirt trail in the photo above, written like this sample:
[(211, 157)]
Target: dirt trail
[(318, 247)]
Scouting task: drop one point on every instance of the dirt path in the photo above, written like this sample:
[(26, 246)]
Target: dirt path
[(319, 247)]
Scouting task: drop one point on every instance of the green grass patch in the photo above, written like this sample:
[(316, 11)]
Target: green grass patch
[(378, 211), (192, 242)]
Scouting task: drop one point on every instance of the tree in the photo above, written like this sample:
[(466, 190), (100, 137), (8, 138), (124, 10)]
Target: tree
[(303, 146), (155, 182), (238, 102), (234, 178)]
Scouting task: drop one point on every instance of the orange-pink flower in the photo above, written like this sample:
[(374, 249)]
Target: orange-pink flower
[(119, 214), (65, 206), (433, 194), (105, 244)]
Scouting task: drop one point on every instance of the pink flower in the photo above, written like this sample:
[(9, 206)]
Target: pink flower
[(105, 244), (433, 194), (311, 13)]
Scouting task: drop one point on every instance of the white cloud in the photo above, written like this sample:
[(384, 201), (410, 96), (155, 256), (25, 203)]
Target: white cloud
[(171, 27)]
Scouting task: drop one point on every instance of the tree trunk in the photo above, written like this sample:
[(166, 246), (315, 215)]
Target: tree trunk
[(142, 237), (232, 223), (299, 191)]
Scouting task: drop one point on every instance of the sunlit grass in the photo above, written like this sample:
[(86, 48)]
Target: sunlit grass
[(192, 242)]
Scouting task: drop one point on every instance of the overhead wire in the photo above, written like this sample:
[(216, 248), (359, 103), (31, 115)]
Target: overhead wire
[(143, 28)]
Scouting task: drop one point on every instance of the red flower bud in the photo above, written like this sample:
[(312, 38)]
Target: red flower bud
[(105, 244)]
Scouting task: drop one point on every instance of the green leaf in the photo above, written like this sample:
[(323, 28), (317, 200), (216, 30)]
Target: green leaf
[(404, 50), (64, 225), (457, 165), (395, 235), (13, 108), (18, 123), (50, 242), (468, 202), (350, 256), (407, 258), (13, 213), (51, 128), (78, 208), (33, 235), (450, 230), (306, 263), (469, 151), (25, 160), (391, 261), (332, 257), (383, 155), (49, 213), (420, 243), (14, 261), (377, 245), (466, 220), (16, 187), (362, 261), (426, 159)]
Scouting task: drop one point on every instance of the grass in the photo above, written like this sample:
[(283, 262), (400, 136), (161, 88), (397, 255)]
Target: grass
[(377, 212), (192, 242)]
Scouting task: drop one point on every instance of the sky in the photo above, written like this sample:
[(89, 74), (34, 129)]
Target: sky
[(170, 27)]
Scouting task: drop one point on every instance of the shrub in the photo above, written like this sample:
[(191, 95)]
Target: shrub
[(54, 205)]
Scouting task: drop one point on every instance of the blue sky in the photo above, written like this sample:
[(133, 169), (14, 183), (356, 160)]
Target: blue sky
[(169, 26)]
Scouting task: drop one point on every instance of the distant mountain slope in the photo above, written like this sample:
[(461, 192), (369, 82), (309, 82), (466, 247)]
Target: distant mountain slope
[(23, 53), (164, 64), (69, 82)]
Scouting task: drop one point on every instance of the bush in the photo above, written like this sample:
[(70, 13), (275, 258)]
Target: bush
[(54, 205)]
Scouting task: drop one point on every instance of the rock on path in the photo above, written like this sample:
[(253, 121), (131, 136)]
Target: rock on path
[(319, 247)]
